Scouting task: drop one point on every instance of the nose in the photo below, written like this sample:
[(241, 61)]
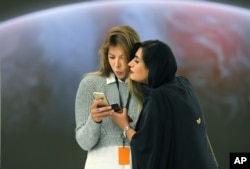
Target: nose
[(130, 64), (117, 62)]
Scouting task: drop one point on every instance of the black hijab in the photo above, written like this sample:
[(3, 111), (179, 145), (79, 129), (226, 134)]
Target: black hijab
[(158, 58)]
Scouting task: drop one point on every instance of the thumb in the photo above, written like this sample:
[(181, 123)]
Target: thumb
[(124, 110)]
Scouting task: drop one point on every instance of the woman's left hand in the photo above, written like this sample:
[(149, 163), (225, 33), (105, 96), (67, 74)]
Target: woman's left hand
[(121, 118)]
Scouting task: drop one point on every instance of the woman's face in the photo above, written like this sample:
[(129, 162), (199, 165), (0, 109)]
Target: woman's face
[(138, 70), (118, 63)]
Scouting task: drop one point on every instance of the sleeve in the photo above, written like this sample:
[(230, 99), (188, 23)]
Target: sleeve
[(87, 132), (153, 135)]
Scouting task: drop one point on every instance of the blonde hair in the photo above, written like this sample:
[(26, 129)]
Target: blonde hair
[(137, 90), (121, 35), (125, 37)]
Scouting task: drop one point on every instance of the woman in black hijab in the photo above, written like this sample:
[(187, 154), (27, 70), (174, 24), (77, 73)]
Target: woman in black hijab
[(171, 130)]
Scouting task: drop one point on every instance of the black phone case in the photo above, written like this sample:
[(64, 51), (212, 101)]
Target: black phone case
[(116, 108)]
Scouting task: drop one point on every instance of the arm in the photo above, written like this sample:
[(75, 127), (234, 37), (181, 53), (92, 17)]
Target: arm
[(121, 119), (130, 133), (88, 129)]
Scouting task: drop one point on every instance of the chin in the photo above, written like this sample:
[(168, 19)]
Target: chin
[(134, 79), (122, 77)]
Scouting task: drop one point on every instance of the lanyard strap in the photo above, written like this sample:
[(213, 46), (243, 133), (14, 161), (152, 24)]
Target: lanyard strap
[(121, 105), (120, 98)]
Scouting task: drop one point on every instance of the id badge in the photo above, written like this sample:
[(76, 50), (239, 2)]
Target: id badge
[(124, 155)]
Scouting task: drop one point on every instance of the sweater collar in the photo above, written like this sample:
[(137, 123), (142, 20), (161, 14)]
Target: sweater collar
[(111, 79)]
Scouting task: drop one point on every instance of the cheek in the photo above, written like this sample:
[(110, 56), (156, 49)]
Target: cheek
[(111, 62), (142, 70), (124, 63), (144, 75), (141, 74)]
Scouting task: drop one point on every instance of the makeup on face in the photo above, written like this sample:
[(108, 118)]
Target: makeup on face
[(138, 70), (117, 61)]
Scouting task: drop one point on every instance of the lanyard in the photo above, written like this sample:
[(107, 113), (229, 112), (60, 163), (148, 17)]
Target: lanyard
[(120, 98), (121, 105)]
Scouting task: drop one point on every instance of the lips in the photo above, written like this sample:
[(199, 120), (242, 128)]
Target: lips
[(118, 73)]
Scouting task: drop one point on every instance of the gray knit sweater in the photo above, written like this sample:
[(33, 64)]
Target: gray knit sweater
[(89, 134)]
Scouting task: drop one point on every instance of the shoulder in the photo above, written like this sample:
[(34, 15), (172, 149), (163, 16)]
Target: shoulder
[(172, 89), (178, 84), (183, 80), (92, 81)]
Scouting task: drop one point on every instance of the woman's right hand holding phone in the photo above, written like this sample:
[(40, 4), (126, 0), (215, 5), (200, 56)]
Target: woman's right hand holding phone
[(99, 113)]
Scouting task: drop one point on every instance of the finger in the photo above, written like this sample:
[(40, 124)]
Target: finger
[(95, 109), (103, 109), (124, 110), (94, 103), (102, 115)]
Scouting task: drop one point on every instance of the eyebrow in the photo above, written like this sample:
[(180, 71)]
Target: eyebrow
[(114, 55), (137, 57)]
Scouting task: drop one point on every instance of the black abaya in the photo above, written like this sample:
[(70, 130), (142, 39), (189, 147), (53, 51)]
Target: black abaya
[(171, 130)]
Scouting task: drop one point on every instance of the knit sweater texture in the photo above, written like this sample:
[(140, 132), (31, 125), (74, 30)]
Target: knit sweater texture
[(89, 134)]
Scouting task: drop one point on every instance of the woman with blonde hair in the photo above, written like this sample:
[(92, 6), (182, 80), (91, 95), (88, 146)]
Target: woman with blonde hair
[(95, 130)]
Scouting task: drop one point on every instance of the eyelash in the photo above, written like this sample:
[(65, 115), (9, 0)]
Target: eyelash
[(111, 57), (136, 61)]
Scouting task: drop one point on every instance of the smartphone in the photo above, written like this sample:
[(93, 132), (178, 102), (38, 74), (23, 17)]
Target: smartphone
[(116, 108), (100, 95)]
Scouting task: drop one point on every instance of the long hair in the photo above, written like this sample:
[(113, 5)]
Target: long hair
[(137, 90), (121, 35)]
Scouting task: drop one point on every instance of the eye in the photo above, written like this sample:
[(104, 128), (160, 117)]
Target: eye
[(121, 57), (136, 60), (111, 57)]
